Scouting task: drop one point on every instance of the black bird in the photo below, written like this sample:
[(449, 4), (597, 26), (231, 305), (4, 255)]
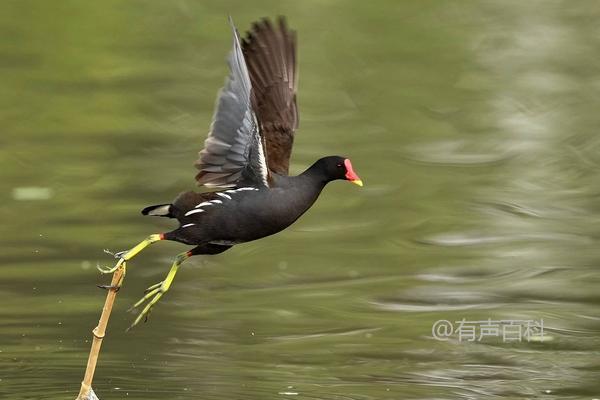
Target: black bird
[(246, 157)]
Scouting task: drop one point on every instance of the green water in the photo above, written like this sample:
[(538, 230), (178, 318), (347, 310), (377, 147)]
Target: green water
[(473, 125)]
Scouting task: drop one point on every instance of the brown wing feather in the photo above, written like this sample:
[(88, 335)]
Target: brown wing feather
[(270, 54)]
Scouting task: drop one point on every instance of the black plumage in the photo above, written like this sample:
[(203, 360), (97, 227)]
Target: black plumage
[(251, 212), (246, 158)]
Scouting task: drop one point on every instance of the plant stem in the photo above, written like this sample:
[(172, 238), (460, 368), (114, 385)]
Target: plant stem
[(99, 332)]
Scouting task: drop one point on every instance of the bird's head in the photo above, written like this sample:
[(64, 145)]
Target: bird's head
[(336, 167)]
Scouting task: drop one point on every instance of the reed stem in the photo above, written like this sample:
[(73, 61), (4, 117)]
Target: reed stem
[(98, 333)]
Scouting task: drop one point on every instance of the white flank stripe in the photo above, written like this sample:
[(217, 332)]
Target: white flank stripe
[(197, 210), (216, 201), (224, 195), (204, 203), (239, 189), (187, 225)]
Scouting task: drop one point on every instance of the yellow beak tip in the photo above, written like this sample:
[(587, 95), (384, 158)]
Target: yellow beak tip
[(357, 182)]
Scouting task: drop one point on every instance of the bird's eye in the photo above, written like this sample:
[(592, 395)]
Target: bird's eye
[(339, 165)]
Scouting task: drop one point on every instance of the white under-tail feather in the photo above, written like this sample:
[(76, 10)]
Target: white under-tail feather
[(160, 211)]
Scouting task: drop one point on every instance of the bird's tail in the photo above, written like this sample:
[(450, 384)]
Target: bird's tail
[(159, 210)]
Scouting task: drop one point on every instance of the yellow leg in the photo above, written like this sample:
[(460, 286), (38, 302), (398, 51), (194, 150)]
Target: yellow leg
[(132, 253), (155, 292)]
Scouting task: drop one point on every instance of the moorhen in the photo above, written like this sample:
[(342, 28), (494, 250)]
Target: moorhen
[(246, 157)]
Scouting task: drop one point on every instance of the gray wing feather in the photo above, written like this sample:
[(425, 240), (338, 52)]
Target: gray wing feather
[(233, 150)]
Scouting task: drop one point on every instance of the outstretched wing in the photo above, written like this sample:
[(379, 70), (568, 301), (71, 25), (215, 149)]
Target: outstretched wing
[(270, 54), (233, 152)]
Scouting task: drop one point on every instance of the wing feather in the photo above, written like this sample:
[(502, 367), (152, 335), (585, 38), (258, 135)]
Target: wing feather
[(270, 54), (233, 151)]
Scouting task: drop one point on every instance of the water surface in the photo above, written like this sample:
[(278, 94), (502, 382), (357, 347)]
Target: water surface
[(473, 125)]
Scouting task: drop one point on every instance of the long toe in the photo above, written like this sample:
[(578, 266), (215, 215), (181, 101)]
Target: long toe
[(116, 288), (146, 311), (153, 287), (104, 270), (148, 295), (151, 297)]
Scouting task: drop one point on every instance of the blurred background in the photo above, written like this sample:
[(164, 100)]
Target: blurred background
[(472, 124)]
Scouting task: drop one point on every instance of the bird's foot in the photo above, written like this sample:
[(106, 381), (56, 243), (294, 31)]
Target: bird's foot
[(127, 255), (152, 296), (115, 286), (155, 292)]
